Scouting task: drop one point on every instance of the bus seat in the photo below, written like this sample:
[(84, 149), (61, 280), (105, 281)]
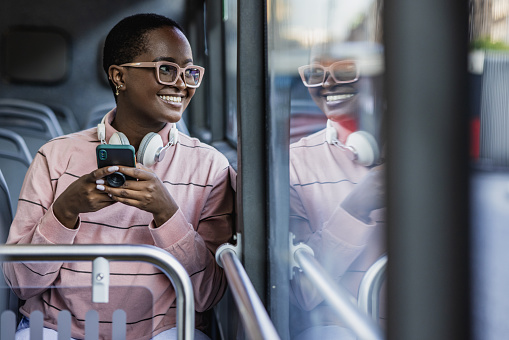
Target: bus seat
[(8, 300), (34, 128), (8, 324), (15, 159), (5, 209), (66, 117), (10, 316), (33, 107), (97, 113), (370, 288), (12, 143)]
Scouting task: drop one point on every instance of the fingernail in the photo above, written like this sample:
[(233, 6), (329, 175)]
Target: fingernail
[(100, 187), (113, 168), (99, 181)]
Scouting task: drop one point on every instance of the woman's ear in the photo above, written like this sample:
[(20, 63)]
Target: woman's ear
[(116, 75)]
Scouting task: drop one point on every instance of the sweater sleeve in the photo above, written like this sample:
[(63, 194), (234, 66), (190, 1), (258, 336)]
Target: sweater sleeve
[(35, 223), (195, 246), (336, 245)]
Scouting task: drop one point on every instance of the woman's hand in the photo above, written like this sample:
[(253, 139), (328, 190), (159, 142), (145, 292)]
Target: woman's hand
[(82, 196), (148, 193), (367, 195)]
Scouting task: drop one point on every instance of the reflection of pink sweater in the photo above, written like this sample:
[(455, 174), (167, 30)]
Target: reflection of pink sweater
[(197, 176), (321, 176)]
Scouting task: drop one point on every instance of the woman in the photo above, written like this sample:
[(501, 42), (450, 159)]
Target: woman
[(183, 203)]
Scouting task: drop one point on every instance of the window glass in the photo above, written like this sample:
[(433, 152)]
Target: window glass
[(489, 117), (230, 27), (330, 54)]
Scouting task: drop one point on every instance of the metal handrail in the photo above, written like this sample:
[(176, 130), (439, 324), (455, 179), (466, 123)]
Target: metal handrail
[(338, 297), (369, 288), (118, 252), (252, 313)]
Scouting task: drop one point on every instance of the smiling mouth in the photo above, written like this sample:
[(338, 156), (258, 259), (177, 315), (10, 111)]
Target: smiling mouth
[(171, 99), (339, 97)]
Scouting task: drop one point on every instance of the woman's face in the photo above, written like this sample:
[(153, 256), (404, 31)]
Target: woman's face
[(338, 101), (148, 100)]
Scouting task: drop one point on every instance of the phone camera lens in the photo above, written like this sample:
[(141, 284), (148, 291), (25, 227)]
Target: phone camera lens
[(103, 155), (115, 179)]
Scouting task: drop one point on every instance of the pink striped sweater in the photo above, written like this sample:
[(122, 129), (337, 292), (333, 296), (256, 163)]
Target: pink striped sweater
[(198, 178)]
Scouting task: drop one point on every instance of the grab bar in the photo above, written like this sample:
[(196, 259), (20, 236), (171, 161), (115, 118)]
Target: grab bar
[(118, 252), (253, 315), (369, 288), (337, 296)]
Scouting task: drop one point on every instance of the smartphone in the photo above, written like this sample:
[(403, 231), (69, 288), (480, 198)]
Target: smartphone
[(109, 154)]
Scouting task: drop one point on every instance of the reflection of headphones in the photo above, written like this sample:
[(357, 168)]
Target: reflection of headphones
[(361, 146), (151, 148)]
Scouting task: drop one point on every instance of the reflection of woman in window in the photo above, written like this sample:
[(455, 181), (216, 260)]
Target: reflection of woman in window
[(183, 203), (336, 191)]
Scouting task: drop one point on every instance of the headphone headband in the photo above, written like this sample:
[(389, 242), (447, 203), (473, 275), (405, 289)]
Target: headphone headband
[(151, 149), (101, 130)]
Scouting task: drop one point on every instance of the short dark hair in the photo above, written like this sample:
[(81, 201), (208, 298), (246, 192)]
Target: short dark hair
[(127, 39)]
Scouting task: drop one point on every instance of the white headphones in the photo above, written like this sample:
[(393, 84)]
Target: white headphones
[(151, 148), (361, 146)]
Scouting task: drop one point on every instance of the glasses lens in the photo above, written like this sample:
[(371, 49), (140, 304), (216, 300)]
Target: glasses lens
[(313, 74), (167, 73), (344, 71), (192, 76)]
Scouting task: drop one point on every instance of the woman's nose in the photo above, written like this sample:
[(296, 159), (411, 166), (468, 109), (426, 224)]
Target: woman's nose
[(328, 80), (181, 83)]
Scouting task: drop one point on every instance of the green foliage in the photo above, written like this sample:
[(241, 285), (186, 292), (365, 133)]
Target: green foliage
[(488, 44)]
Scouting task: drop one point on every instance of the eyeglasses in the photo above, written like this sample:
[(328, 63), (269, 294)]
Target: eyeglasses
[(343, 72), (167, 73)]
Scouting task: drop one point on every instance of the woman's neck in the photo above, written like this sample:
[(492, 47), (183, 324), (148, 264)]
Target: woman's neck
[(133, 129), (344, 128)]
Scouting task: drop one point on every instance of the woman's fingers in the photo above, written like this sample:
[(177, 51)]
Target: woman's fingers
[(133, 190), (140, 173), (136, 198), (102, 172), (146, 192)]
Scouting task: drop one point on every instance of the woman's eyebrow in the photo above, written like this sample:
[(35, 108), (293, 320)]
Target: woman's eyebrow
[(170, 59)]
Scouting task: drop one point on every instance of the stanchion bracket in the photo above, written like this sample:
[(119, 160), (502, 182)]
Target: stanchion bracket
[(237, 249), (293, 250)]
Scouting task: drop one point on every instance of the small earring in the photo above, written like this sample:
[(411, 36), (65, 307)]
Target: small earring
[(118, 87)]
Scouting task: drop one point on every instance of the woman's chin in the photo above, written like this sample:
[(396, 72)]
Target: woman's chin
[(339, 117)]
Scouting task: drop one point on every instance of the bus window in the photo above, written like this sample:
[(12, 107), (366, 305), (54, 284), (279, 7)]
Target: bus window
[(326, 66), (230, 59), (489, 93)]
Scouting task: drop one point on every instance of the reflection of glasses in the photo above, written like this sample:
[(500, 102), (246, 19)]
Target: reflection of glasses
[(343, 72), (167, 73)]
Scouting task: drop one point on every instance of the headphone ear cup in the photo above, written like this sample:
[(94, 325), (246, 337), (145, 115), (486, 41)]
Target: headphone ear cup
[(118, 138), (149, 146), (365, 146)]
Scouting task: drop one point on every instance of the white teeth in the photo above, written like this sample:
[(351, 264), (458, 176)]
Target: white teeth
[(171, 99), (339, 97)]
